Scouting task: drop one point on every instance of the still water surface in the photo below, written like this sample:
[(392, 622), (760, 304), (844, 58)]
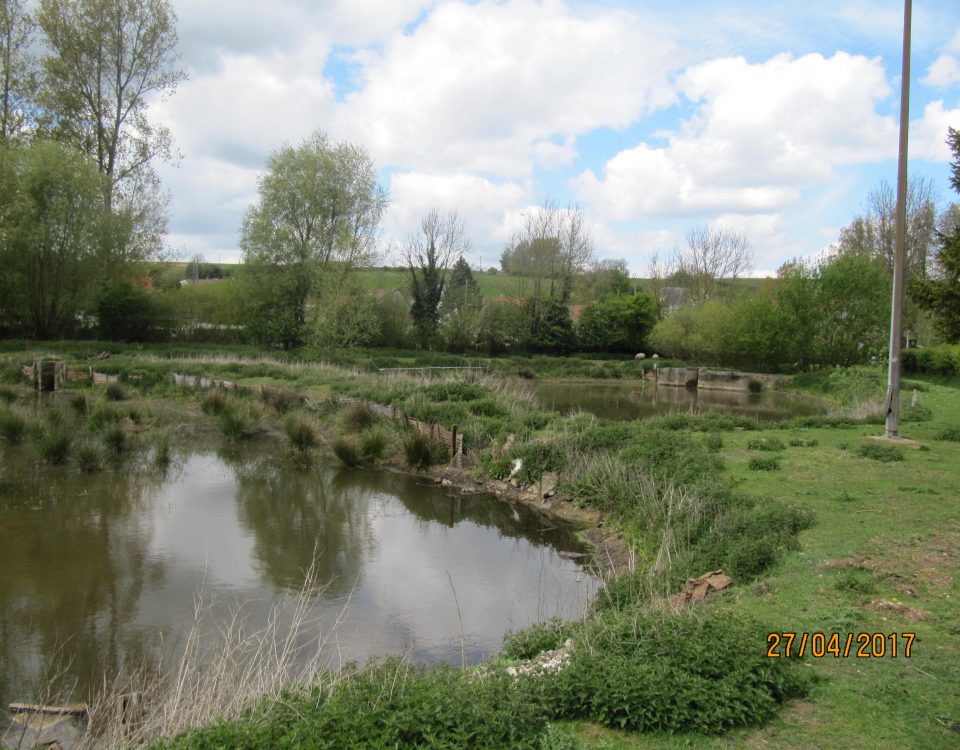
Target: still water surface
[(98, 572), (636, 400)]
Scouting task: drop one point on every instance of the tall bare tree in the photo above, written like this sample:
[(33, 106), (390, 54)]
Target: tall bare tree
[(874, 231), (19, 79), (711, 254), (429, 254)]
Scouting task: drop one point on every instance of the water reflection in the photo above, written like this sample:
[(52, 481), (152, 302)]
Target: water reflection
[(102, 571), (639, 400)]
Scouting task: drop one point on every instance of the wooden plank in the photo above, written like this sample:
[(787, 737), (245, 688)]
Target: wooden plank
[(79, 709)]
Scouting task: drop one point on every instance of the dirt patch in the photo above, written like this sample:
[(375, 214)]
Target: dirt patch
[(909, 564), (888, 605)]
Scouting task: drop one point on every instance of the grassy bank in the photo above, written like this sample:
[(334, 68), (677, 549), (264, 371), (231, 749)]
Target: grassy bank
[(820, 531)]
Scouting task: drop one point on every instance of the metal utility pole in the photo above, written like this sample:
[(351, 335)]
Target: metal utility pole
[(896, 315)]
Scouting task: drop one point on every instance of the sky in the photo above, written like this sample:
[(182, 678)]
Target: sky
[(772, 118)]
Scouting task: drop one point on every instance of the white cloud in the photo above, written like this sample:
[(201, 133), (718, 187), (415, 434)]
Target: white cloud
[(944, 72), (761, 133), (481, 86), (928, 134)]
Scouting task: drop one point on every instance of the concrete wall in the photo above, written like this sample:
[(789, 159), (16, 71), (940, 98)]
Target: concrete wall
[(679, 377), (734, 381)]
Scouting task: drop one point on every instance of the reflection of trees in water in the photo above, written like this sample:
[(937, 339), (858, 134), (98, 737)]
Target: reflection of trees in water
[(301, 518), (432, 504), (75, 563)]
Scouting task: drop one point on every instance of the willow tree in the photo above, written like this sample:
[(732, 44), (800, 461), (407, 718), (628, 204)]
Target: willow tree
[(316, 218)]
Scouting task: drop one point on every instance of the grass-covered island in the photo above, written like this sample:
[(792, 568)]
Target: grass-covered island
[(822, 530)]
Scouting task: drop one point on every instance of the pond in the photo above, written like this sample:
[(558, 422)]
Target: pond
[(640, 400), (102, 571)]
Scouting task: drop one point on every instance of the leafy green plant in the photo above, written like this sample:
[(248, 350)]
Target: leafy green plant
[(542, 636), (764, 463), (951, 434), (713, 442), (882, 453)]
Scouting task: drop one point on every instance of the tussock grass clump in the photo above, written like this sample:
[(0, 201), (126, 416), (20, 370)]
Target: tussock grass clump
[(13, 426), (89, 458), (883, 453), (78, 402), (281, 400), (115, 439), (104, 414), (240, 421), (161, 450), (372, 444), (346, 450), (357, 417), (7, 394), (766, 444), (713, 442), (422, 453), (302, 432), (764, 463), (115, 392), (801, 443), (215, 402), (54, 446), (951, 434)]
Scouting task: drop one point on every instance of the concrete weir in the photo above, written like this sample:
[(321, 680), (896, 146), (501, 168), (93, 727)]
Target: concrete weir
[(712, 380)]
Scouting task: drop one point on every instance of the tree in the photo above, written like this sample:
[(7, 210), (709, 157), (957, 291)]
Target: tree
[(460, 308), (617, 323), (711, 255), (52, 256), (19, 79), (317, 218), (428, 254), (549, 252), (940, 296), (874, 232)]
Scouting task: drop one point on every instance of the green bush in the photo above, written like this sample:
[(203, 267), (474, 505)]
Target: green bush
[(674, 457), (713, 442), (882, 453), (78, 402), (662, 672), (346, 450), (538, 458), (540, 637), (13, 426), (115, 392), (935, 360), (302, 432), (766, 444), (764, 463)]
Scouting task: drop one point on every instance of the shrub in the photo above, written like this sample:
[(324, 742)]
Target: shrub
[(54, 447), (658, 671), (115, 392), (766, 444), (918, 413), (543, 636), (882, 453), (88, 458), (301, 432), (936, 360), (115, 438), (538, 458), (346, 450), (801, 443), (527, 373), (764, 463), (713, 442), (357, 416), (372, 444), (13, 427)]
